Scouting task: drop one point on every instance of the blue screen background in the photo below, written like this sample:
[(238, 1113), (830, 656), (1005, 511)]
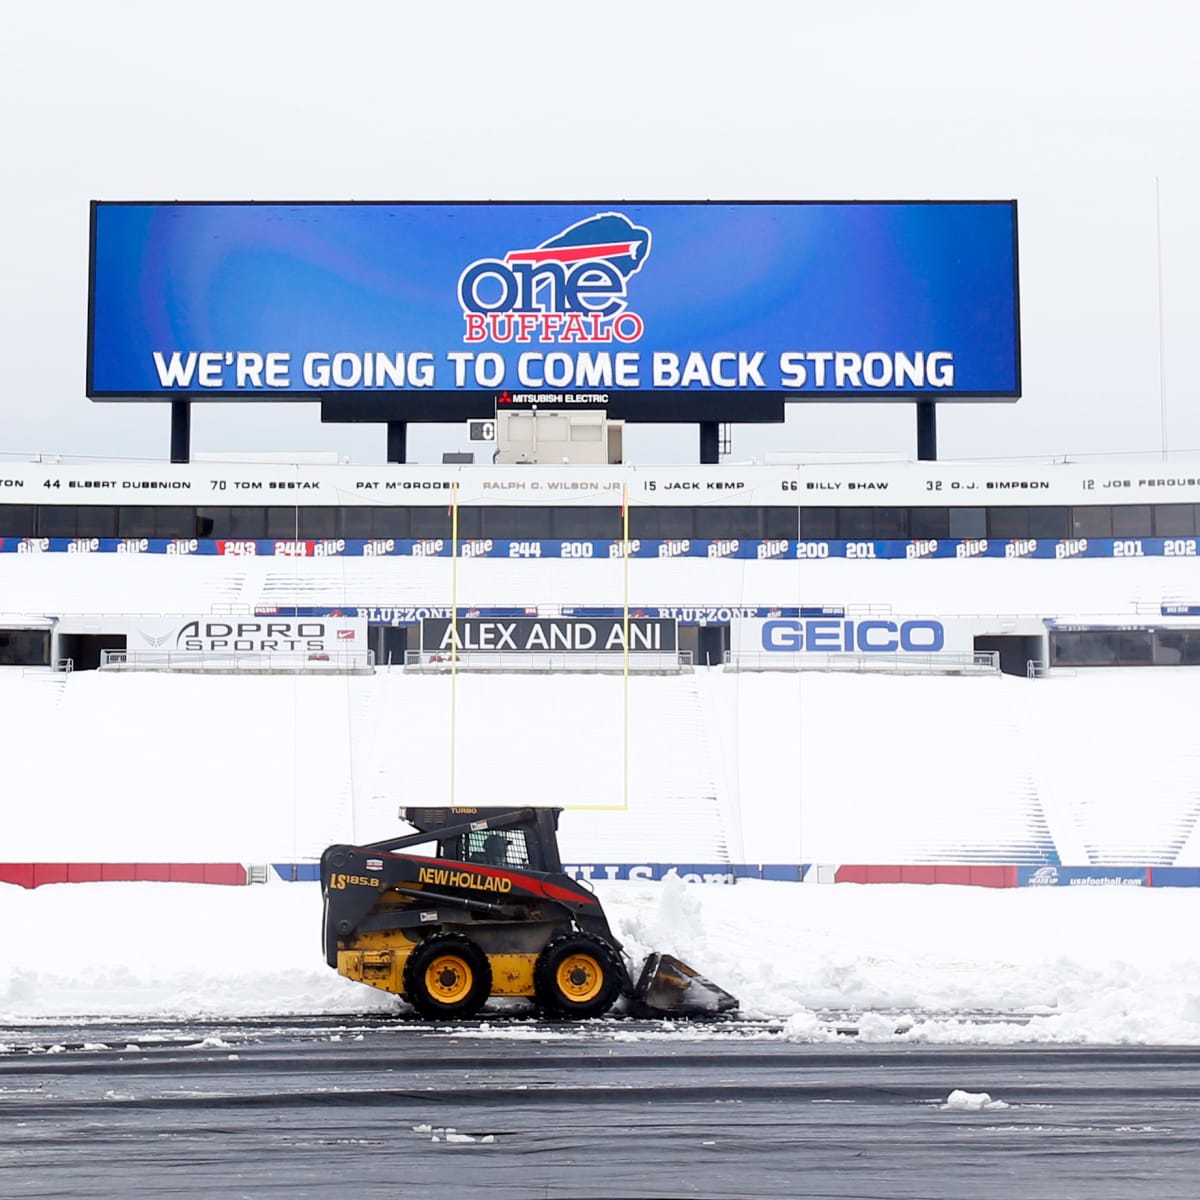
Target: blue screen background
[(330, 278)]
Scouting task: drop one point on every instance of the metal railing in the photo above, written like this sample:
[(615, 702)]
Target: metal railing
[(349, 662), (1035, 668), (641, 663), (980, 662)]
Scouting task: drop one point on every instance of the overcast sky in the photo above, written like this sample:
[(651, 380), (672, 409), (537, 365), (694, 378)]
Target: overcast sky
[(1081, 111)]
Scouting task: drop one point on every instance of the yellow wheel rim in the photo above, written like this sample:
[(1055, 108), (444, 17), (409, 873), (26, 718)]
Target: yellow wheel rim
[(579, 978), (448, 979)]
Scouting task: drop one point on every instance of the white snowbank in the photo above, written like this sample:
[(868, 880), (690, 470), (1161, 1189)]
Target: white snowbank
[(910, 963)]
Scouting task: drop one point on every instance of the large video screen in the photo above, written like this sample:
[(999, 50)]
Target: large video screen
[(567, 303)]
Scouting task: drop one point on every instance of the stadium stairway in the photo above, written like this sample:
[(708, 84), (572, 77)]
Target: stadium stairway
[(877, 769), (54, 584), (126, 767), (1118, 764)]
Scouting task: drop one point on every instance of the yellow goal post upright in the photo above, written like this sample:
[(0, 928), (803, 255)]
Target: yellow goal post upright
[(624, 805), (453, 633), (454, 540)]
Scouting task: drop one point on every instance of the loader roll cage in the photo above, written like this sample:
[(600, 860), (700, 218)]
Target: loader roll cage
[(472, 840)]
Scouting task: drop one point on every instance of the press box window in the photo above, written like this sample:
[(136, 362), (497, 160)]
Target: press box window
[(1131, 520), (434, 522), (587, 523), (212, 522), (1094, 520), (891, 523), (1174, 520), (144, 521), (392, 522), (357, 523), (318, 523), (780, 522), (968, 523), (283, 524), (135, 522), (1049, 522), (726, 522), (517, 523), (18, 520), (470, 522), (654, 522), (57, 520), (1008, 522), (856, 523), (247, 523), (818, 523), (96, 521), (925, 523)]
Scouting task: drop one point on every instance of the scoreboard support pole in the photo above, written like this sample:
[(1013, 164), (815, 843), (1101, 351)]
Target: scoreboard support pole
[(926, 431), (181, 431), (710, 441)]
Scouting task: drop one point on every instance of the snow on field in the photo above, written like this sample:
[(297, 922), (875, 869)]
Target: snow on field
[(1072, 965), (771, 767)]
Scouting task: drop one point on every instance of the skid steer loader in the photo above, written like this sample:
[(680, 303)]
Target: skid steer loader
[(492, 914)]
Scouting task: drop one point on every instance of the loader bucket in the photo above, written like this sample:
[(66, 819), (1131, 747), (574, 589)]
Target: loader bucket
[(670, 988)]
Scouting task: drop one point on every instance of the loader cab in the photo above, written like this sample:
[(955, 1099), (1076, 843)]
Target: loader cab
[(493, 848), (520, 839), (518, 848)]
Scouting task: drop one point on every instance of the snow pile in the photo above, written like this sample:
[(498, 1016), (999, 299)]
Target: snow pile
[(960, 1101), (447, 1133)]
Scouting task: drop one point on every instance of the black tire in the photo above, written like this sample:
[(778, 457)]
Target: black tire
[(577, 975), (447, 975)]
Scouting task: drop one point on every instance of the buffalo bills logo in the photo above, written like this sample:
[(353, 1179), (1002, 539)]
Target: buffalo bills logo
[(570, 288)]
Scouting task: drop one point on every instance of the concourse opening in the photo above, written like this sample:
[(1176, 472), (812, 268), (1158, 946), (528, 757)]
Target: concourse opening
[(706, 643), (84, 649), (390, 643), (1016, 651)]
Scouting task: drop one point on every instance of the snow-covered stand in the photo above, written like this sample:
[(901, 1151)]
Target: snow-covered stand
[(746, 769)]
